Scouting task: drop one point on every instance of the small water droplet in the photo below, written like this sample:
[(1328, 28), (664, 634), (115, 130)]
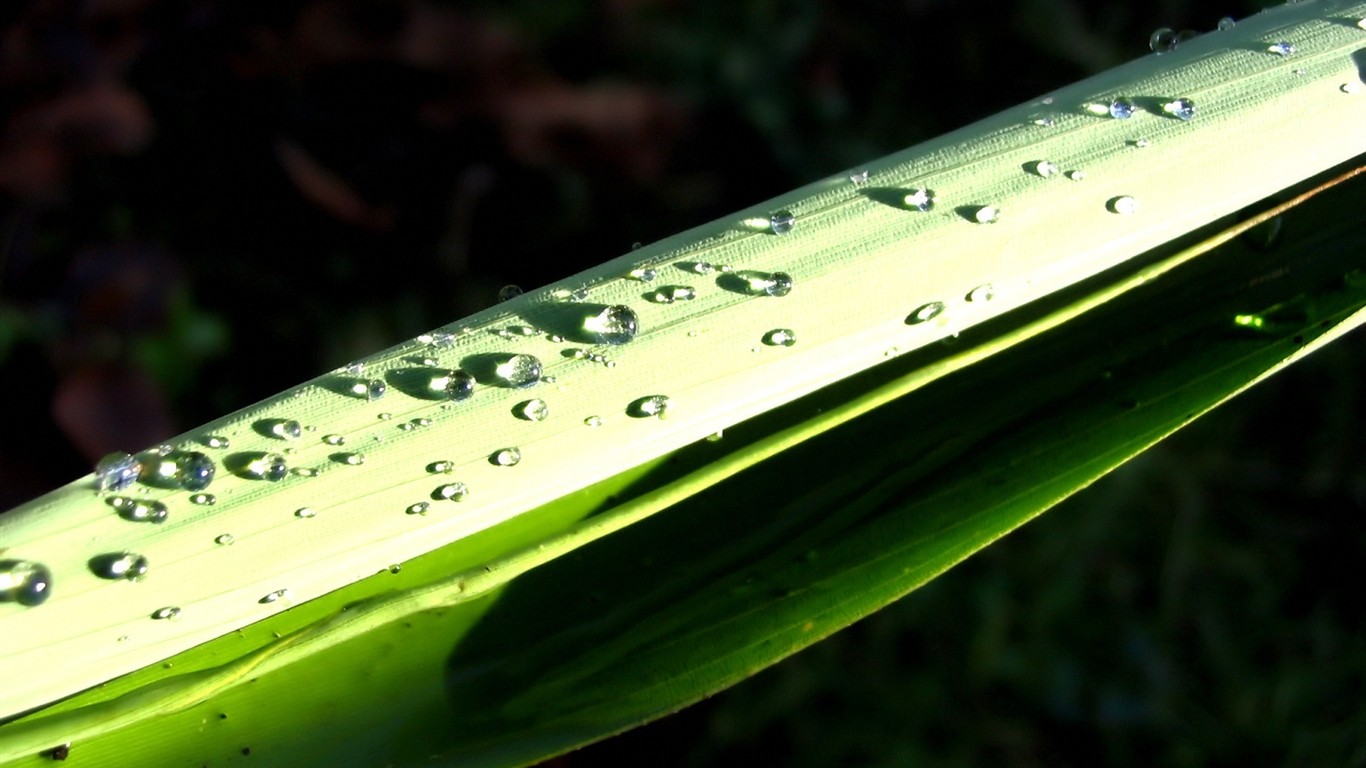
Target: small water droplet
[(24, 582), (1163, 40), (782, 222), (204, 499), (776, 284), (116, 471), (780, 337), (716, 436), (169, 612), (1182, 109), (353, 369), (616, 324), (271, 597), (509, 292), (697, 267), (454, 385), (644, 274), (1226, 23), (984, 292), (349, 459), (859, 178), (1044, 168), (420, 508), (139, 510), (334, 439), (372, 390), (671, 293), (441, 467), (451, 492), (1045, 121), (304, 513), (519, 371), (125, 566), (593, 421), (1137, 143), (532, 410), (224, 539), (395, 568), (1075, 175), (286, 429), (506, 457), (217, 441), (1280, 48), (267, 466), (407, 426), (986, 214), (920, 199), (1122, 108), (653, 406), (1124, 204), (925, 313), (194, 471)]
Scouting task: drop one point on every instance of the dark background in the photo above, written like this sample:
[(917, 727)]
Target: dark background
[(204, 203)]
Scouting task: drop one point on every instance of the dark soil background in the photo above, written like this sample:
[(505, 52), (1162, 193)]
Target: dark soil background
[(203, 203)]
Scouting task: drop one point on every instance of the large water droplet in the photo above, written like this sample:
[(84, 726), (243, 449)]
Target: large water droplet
[(454, 385), (1043, 168), (1163, 40), (920, 199), (267, 466), (509, 292), (782, 222), (1281, 48), (983, 292), (1226, 23), (1122, 108), (194, 471), (169, 612), (506, 457), (1124, 204), (616, 324), (671, 293), (986, 214), (756, 283), (451, 492), (372, 389), (116, 471), (925, 313), (518, 371), (653, 406), (1181, 109), (532, 410), (119, 565), (286, 429), (24, 582), (1075, 175), (780, 337), (139, 510)]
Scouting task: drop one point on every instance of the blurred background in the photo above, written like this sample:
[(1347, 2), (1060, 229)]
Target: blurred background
[(203, 203)]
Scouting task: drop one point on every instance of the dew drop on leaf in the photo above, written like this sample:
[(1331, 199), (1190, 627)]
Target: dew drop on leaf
[(224, 539), (169, 612), (920, 199), (116, 471), (671, 293), (616, 324), (1281, 48), (1181, 109), (506, 457), (1124, 204), (420, 508), (125, 566), (334, 439), (1226, 23), (519, 371), (509, 292), (532, 410), (925, 313), (217, 441), (194, 471), (653, 406), (1044, 168), (643, 274), (204, 499), (1122, 108), (986, 214), (274, 596), (454, 385), (782, 222), (1163, 40), (593, 421), (140, 510), (24, 582), (780, 337), (984, 292), (287, 429), (304, 513), (451, 492)]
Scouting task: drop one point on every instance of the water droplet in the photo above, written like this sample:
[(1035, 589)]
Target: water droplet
[(304, 513), (986, 214), (420, 508), (1352, 87), (643, 274), (1362, 22), (1280, 48), (217, 441), (349, 459), (1182, 109), (671, 293), (116, 471), (1044, 168), (1075, 175), (120, 565), (1122, 108), (1124, 204), (421, 422), (1137, 143), (920, 199), (509, 292), (1226, 23), (194, 471), (984, 292), (1045, 121), (593, 421), (859, 178), (451, 492), (24, 582), (775, 284), (519, 371), (654, 406), (407, 426), (532, 410), (506, 457), (780, 337), (782, 222), (454, 385), (697, 267), (224, 539), (276, 595), (286, 429), (616, 324), (373, 389), (925, 313), (267, 466), (334, 439), (139, 510), (169, 612), (353, 369), (204, 499), (441, 467), (1163, 40)]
